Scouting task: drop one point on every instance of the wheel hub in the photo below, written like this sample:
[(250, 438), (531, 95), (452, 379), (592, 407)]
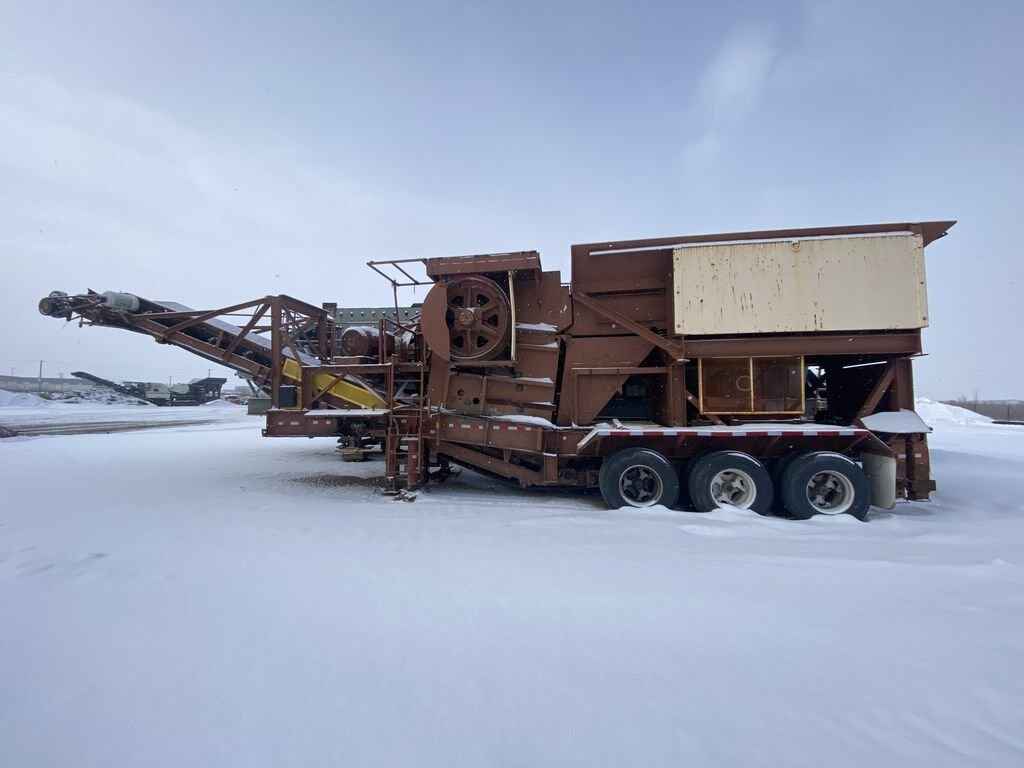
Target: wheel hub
[(640, 486), (733, 487), (831, 493), (466, 318)]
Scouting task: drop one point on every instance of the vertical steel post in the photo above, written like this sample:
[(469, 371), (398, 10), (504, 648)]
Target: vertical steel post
[(275, 350), (512, 304)]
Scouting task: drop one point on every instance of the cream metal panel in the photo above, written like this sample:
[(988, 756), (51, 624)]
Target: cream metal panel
[(867, 283)]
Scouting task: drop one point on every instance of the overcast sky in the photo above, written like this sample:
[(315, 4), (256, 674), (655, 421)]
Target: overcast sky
[(211, 152)]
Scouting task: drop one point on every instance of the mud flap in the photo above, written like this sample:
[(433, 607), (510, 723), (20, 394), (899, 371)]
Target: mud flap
[(881, 471)]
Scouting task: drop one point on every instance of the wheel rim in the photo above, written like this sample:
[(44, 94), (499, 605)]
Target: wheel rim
[(734, 487), (830, 493), (640, 486)]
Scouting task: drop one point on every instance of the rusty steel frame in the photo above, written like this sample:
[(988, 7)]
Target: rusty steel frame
[(290, 320), (673, 348), (396, 264), (853, 344), (639, 338)]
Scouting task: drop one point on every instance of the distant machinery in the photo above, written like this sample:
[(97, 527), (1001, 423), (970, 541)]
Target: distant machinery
[(196, 392)]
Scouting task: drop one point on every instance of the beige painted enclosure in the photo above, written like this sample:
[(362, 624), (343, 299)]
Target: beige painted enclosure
[(800, 286)]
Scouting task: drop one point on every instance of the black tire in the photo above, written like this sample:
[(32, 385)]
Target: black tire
[(638, 477), (778, 471), (684, 502), (730, 477), (825, 483)]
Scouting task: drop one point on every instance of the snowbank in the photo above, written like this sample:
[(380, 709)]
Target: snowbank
[(21, 400), (941, 413)]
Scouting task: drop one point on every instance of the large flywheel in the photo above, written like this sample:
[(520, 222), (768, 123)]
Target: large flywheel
[(478, 317)]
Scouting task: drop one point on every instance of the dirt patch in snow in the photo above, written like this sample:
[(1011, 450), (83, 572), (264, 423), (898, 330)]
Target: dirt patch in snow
[(341, 481)]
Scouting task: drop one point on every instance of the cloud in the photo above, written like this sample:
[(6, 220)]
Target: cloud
[(728, 92), (100, 191), (92, 178), (734, 81), (102, 167)]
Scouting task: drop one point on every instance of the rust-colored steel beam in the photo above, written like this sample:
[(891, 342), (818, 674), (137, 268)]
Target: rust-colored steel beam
[(692, 400), (622, 371), (194, 315), (903, 343), (929, 231), (877, 392), (473, 458), (376, 266), (519, 261), (673, 348)]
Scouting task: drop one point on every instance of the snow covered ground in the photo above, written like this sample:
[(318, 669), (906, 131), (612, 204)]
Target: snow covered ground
[(29, 414), (199, 596)]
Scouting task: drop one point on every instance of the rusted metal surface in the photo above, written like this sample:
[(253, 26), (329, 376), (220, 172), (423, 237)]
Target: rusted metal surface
[(496, 464), (877, 392), (583, 395), (621, 321), (521, 261), (543, 303), (363, 341), (496, 395), (820, 345), (370, 316), (766, 441), (506, 369), (497, 433), (244, 348), (478, 316), (637, 286), (435, 324)]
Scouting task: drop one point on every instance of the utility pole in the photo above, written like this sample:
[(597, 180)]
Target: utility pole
[(41, 377)]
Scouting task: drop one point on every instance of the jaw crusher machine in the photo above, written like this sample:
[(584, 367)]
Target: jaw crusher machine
[(767, 370)]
